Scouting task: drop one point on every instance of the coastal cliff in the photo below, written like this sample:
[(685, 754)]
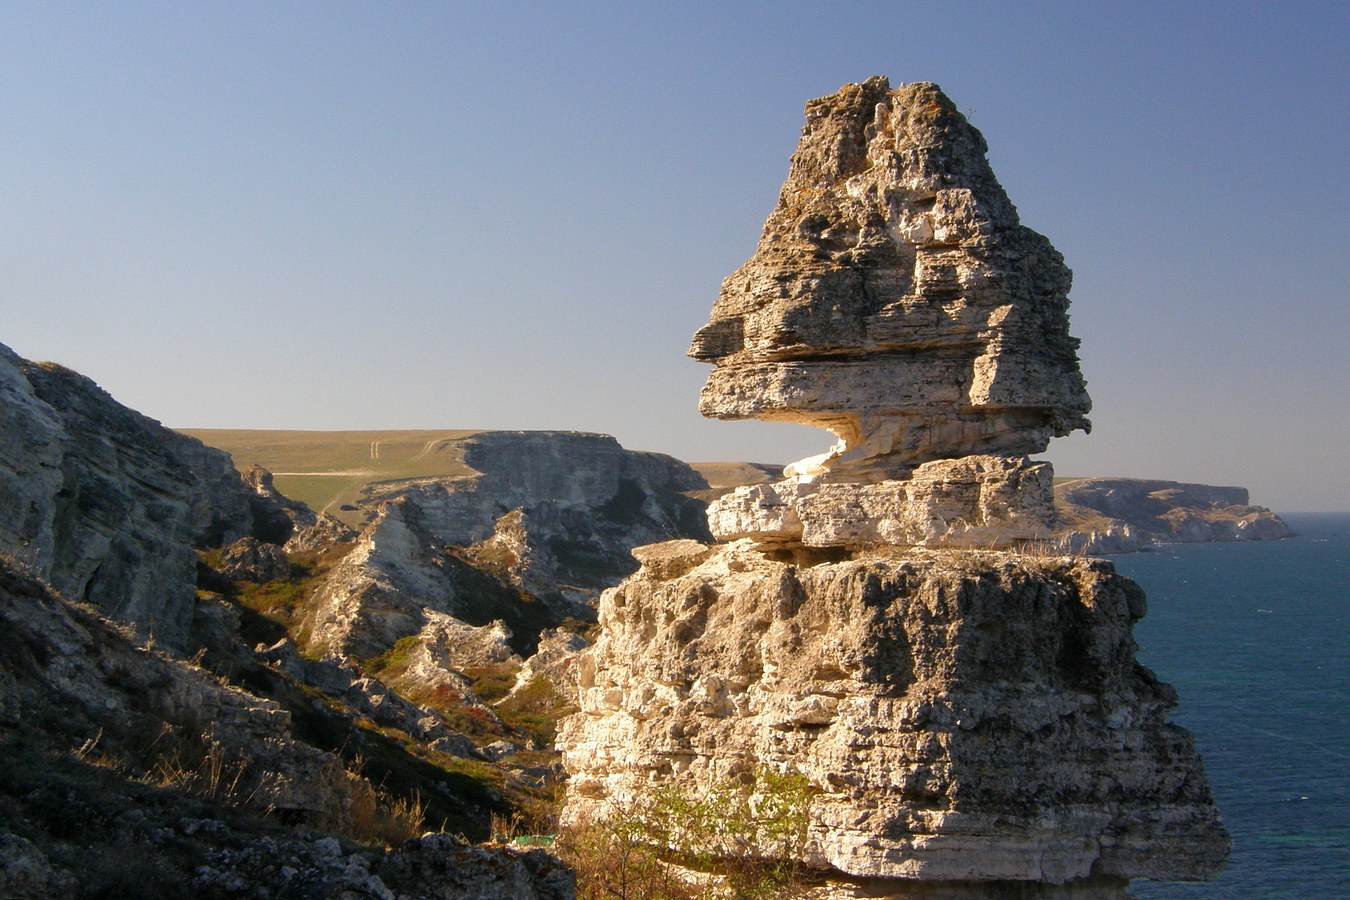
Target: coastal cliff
[(1119, 515), (959, 715), (960, 709)]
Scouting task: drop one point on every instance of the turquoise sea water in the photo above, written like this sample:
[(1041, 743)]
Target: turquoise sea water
[(1256, 638)]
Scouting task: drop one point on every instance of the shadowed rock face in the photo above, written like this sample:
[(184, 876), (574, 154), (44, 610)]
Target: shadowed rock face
[(895, 299), (107, 504)]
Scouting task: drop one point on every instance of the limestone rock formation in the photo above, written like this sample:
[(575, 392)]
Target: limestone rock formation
[(545, 523), (286, 522), (975, 501), (69, 673), (91, 723), (962, 715), (107, 504), (249, 559), (895, 299)]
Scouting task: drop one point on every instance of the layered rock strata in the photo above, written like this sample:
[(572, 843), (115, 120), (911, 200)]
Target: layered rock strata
[(975, 501), (895, 299), (1115, 515), (961, 715), (545, 522), (107, 504)]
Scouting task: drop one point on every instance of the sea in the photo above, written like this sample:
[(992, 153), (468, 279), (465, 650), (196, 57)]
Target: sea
[(1256, 639)]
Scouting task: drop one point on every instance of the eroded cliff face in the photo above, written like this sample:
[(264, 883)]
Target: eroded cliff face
[(963, 716), (1110, 515), (547, 522), (107, 504)]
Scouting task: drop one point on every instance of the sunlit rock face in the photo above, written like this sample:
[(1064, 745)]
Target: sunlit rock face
[(961, 715), (971, 721), (895, 299)]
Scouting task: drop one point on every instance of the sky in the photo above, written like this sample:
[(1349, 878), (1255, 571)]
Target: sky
[(498, 215)]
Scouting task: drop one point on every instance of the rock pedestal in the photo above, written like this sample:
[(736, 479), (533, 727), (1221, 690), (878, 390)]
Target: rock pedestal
[(964, 715), (975, 501)]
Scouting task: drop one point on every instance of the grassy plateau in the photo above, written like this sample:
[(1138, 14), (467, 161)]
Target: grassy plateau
[(327, 470)]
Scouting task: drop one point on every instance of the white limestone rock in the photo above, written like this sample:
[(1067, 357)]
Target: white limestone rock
[(963, 715), (543, 524), (968, 717), (976, 501), (895, 299)]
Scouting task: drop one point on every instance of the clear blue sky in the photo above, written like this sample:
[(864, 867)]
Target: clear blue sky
[(343, 215)]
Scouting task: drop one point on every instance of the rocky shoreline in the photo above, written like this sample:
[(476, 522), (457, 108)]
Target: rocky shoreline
[(877, 661)]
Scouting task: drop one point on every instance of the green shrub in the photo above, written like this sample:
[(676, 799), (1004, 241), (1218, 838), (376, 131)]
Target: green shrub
[(743, 840)]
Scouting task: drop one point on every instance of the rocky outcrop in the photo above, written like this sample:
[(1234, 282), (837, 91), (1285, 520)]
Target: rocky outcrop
[(961, 715), (67, 672), (249, 559), (277, 519), (546, 522), (557, 512), (398, 580), (1115, 515), (895, 299), (133, 773), (107, 504), (974, 501), (555, 661)]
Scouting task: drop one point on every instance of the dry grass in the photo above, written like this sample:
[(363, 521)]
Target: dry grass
[(327, 470), (370, 815)]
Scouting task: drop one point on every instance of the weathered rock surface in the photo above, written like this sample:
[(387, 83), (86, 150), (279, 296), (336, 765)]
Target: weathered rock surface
[(286, 522), (557, 511), (975, 501), (107, 504), (399, 579), (249, 559), (64, 670), (964, 715), (1117, 515), (548, 521), (91, 721), (555, 661), (895, 299)]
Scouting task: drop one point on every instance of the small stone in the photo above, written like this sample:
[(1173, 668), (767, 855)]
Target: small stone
[(328, 847)]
